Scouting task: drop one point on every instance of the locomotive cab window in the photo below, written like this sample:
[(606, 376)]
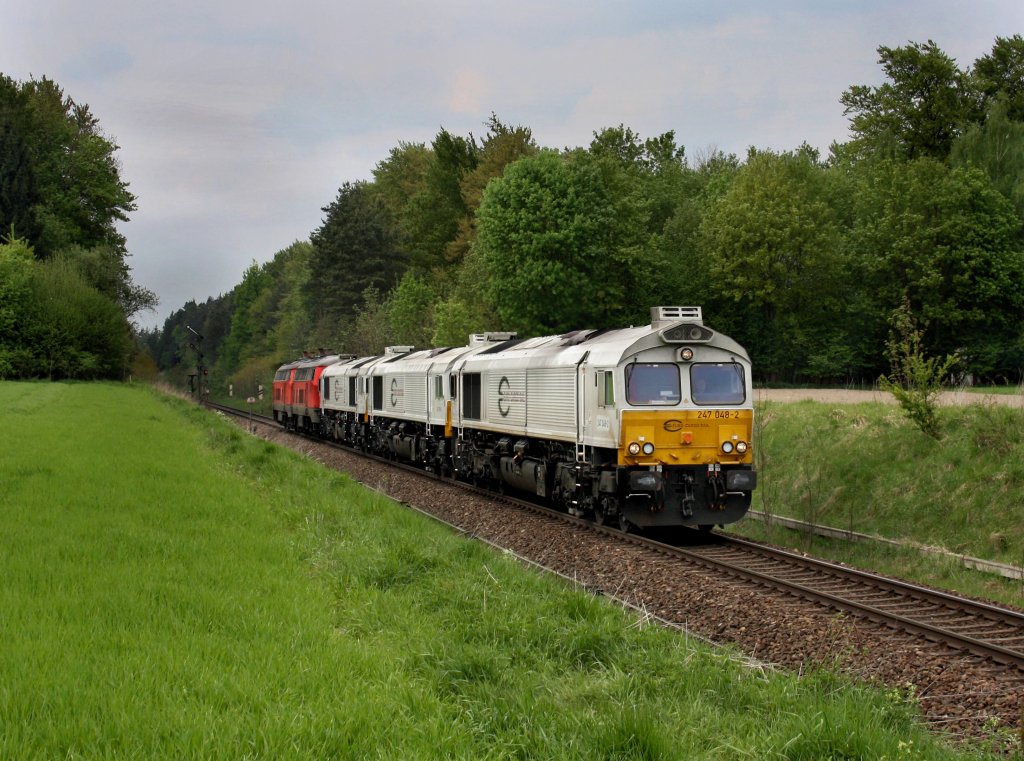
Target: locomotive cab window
[(605, 382), (719, 383), (652, 384)]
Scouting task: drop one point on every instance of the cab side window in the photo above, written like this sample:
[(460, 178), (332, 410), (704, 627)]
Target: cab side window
[(605, 382)]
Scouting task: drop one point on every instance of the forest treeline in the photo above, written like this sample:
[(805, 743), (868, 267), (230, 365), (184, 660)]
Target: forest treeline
[(66, 293), (803, 258)]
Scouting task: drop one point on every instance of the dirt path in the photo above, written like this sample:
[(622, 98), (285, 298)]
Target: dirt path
[(842, 396)]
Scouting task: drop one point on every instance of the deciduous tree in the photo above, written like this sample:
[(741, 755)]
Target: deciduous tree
[(772, 248), (547, 231), (919, 111), (947, 240), (1000, 75)]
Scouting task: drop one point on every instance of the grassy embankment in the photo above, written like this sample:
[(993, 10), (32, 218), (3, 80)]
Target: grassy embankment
[(176, 589), (866, 468)]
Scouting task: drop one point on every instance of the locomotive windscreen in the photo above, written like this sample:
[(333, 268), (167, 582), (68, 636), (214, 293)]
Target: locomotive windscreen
[(648, 384), (719, 383)]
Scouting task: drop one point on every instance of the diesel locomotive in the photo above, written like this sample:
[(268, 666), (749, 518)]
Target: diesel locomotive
[(641, 426)]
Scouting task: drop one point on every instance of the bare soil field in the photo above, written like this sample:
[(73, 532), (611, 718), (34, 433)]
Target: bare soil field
[(844, 396)]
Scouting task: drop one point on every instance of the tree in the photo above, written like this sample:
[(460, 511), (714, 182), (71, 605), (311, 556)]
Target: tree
[(997, 148), (654, 195), (60, 187), (546, 236), (945, 239), (684, 277), (402, 175), (1000, 75), (432, 216), (240, 343), (105, 269), (916, 379), (16, 270), (921, 109), (54, 324), (292, 324), (369, 332), (75, 331), (410, 311), (19, 195), (355, 248), (501, 145), (82, 196), (465, 307), (771, 243)]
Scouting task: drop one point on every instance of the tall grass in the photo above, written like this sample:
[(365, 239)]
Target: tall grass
[(865, 468), (173, 588)]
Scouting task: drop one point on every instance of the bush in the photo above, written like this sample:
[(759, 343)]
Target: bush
[(71, 329), (916, 379)]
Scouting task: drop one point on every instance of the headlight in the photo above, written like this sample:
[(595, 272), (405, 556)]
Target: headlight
[(741, 447), (686, 354), (634, 448), (727, 447), (648, 448)]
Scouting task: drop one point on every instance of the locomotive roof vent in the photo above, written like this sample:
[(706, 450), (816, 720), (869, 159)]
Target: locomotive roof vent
[(391, 350), (662, 316), (478, 339)]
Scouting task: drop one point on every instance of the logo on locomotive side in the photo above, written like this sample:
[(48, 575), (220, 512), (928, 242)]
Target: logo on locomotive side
[(673, 425), (506, 395), (396, 392)]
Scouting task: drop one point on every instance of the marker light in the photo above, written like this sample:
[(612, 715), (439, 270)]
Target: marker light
[(634, 448), (648, 448), (727, 447), (686, 354), (741, 447)]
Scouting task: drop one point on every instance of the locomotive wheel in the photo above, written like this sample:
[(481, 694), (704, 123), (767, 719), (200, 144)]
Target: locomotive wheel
[(599, 516), (624, 524)]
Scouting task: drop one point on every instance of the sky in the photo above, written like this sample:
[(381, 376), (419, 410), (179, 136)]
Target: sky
[(237, 121)]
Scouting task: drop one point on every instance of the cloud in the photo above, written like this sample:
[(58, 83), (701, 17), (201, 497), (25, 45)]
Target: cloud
[(469, 93)]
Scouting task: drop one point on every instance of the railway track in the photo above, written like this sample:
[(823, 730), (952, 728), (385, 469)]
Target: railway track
[(992, 633)]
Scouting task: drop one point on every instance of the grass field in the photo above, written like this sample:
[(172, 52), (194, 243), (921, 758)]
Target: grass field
[(173, 588), (866, 468)]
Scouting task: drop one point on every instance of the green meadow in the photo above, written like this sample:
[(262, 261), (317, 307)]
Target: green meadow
[(867, 468), (173, 588)]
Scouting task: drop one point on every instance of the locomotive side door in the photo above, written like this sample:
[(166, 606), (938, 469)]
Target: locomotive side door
[(581, 409)]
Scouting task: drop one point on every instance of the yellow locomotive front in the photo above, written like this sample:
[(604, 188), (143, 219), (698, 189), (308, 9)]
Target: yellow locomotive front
[(685, 443)]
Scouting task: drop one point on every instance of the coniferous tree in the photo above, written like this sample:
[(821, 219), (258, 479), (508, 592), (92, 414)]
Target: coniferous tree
[(355, 248)]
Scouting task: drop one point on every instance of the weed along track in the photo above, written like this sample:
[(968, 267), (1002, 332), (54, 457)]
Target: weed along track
[(962, 662)]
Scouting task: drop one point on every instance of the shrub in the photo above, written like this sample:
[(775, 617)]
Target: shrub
[(916, 379)]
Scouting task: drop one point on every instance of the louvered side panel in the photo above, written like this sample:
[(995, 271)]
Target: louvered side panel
[(416, 397), (551, 403)]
